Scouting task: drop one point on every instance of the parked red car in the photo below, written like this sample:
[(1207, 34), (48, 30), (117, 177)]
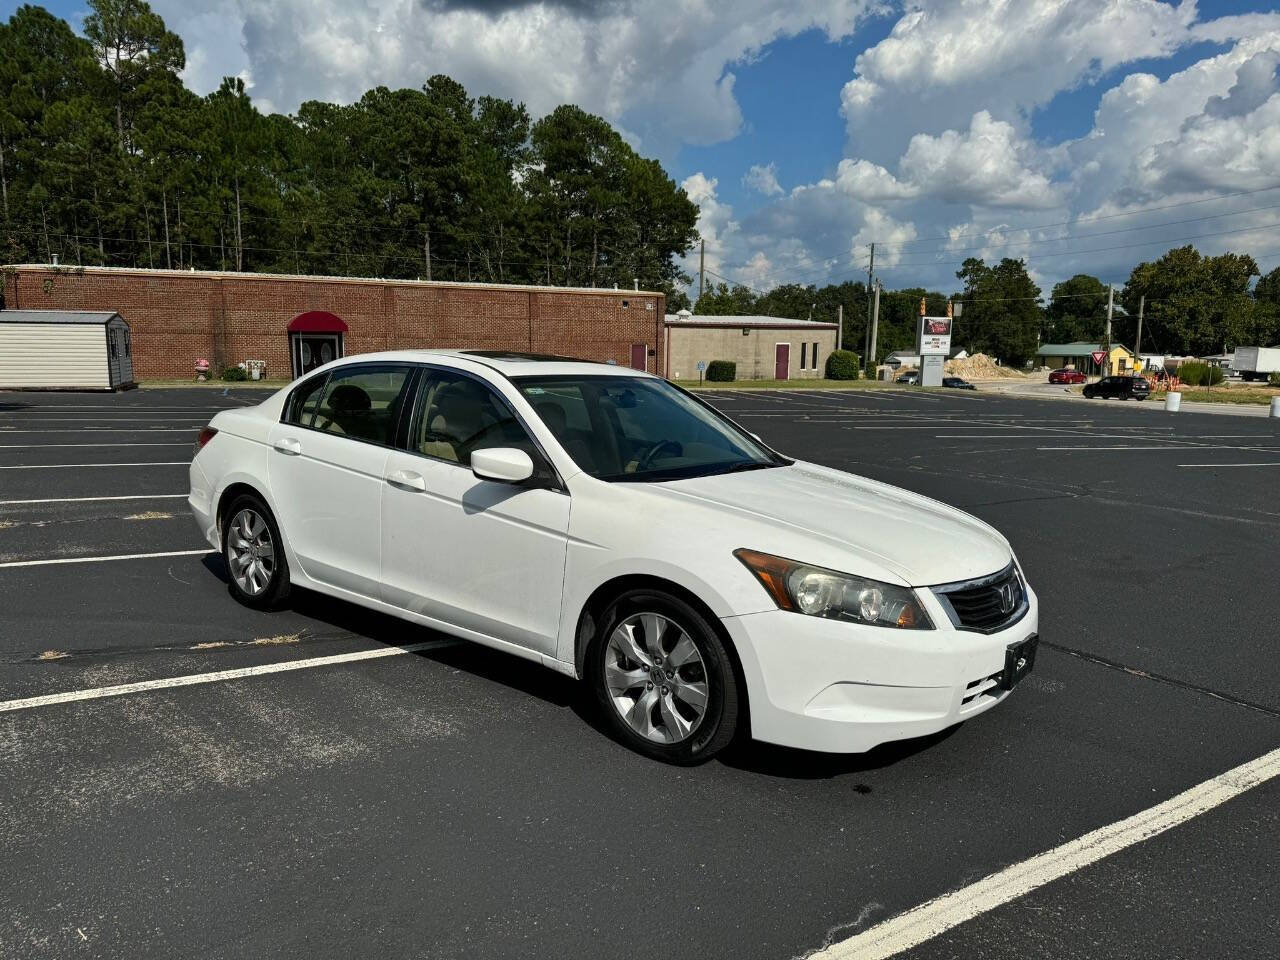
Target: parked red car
[(1067, 376)]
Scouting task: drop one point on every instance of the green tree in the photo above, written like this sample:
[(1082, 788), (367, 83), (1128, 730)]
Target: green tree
[(1195, 304), (1002, 314), (1077, 311), (132, 47), (721, 300)]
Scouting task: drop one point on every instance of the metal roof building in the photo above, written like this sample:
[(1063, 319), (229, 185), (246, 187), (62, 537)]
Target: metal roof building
[(65, 350)]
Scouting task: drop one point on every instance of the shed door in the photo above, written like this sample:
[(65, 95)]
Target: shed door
[(781, 361)]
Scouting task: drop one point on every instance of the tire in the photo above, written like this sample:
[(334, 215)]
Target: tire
[(621, 663), (1088, 394), (256, 578)]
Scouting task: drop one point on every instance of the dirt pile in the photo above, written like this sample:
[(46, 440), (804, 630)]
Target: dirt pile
[(981, 367)]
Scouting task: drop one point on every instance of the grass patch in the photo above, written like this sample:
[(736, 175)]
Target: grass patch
[(1230, 393)]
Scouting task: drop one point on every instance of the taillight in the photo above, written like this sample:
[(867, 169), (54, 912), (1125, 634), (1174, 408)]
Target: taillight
[(206, 434)]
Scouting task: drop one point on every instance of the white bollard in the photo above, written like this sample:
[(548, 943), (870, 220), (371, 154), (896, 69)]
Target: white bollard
[(1275, 407), (1173, 401)]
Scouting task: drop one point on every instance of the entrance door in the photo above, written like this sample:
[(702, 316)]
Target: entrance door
[(781, 361), (639, 356), (311, 350)]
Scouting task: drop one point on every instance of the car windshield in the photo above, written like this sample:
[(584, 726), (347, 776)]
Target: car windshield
[(640, 429)]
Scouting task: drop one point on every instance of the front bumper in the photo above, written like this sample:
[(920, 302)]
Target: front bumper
[(843, 688)]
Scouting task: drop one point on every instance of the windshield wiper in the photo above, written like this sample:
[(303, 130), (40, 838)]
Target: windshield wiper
[(748, 465)]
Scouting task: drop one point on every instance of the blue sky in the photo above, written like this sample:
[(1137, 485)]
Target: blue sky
[(807, 129)]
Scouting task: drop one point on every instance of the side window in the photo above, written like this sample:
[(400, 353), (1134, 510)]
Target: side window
[(457, 415), (363, 402), (804, 354), (128, 344), (302, 404)]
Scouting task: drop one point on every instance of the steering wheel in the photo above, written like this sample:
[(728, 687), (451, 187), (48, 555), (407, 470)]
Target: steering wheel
[(469, 443), (652, 452)]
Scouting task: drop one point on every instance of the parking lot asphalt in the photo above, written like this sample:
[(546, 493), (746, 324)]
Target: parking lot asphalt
[(457, 802)]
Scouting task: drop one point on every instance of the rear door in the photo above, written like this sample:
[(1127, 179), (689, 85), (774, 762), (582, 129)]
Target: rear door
[(484, 556), (326, 468), (781, 361)]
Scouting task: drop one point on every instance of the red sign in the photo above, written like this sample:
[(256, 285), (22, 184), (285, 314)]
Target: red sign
[(1099, 356)]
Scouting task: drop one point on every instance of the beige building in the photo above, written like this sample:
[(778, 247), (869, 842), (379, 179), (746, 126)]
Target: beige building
[(764, 348)]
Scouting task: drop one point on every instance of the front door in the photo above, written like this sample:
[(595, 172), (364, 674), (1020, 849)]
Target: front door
[(311, 350), (639, 356), (480, 555), (782, 361)]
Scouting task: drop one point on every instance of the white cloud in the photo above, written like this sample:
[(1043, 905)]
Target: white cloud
[(763, 178), (662, 68), (943, 58)]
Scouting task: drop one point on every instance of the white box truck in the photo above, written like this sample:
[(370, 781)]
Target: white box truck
[(1256, 363)]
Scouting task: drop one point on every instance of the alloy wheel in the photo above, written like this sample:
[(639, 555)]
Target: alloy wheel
[(250, 552), (656, 678)]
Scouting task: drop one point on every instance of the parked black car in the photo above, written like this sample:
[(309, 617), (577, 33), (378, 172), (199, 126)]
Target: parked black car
[(958, 383), (1121, 388)]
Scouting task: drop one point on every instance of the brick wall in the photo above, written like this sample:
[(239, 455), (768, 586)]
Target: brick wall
[(177, 317)]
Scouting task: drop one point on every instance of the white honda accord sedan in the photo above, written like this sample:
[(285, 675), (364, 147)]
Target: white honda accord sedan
[(608, 525)]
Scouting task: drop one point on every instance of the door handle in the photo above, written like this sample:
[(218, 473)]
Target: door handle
[(288, 445), (407, 480)]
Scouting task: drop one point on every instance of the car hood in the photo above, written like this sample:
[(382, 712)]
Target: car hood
[(854, 525)]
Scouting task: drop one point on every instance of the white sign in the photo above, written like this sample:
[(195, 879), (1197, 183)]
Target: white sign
[(935, 336)]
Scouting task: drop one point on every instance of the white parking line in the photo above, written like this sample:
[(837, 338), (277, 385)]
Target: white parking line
[(1216, 465), (118, 556), (131, 496), (193, 679), (1176, 447), (69, 466), (928, 920), (48, 446)]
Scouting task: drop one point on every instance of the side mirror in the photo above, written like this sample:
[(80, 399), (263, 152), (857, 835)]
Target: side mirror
[(502, 465)]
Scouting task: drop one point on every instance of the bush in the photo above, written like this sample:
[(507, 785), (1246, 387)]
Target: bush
[(722, 371), (842, 365), (1196, 374), (1274, 379), (235, 374)]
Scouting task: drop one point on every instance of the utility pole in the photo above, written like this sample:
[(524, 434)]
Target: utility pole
[(871, 265), (1137, 347), (875, 330), (840, 327), (1106, 343), (426, 252), (702, 269)]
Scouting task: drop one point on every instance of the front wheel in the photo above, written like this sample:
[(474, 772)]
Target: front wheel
[(663, 678), (251, 547)]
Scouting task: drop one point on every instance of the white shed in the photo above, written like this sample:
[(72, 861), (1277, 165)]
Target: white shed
[(64, 350)]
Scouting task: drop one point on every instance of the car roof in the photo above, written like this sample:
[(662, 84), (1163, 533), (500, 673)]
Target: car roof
[(508, 363)]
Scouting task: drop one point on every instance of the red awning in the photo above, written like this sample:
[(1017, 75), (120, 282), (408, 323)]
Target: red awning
[(317, 321)]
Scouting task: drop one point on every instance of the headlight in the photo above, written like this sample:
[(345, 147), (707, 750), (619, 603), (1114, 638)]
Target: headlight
[(819, 592)]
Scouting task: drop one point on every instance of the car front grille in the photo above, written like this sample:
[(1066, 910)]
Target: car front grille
[(987, 604)]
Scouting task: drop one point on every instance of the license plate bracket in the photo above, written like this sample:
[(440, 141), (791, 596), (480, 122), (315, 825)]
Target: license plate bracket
[(1019, 658)]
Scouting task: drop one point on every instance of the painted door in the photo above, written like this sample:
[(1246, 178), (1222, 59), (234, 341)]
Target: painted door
[(311, 350), (639, 356), (480, 555), (782, 361)]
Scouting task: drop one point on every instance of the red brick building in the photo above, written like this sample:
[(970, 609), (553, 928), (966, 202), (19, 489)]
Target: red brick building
[(295, 322)]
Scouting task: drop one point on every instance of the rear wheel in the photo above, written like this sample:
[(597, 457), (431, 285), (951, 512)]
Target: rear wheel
[(256, 565), (663, 678)]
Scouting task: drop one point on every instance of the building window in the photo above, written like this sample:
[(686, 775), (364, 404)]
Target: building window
[(804, 352), (815, 356)]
